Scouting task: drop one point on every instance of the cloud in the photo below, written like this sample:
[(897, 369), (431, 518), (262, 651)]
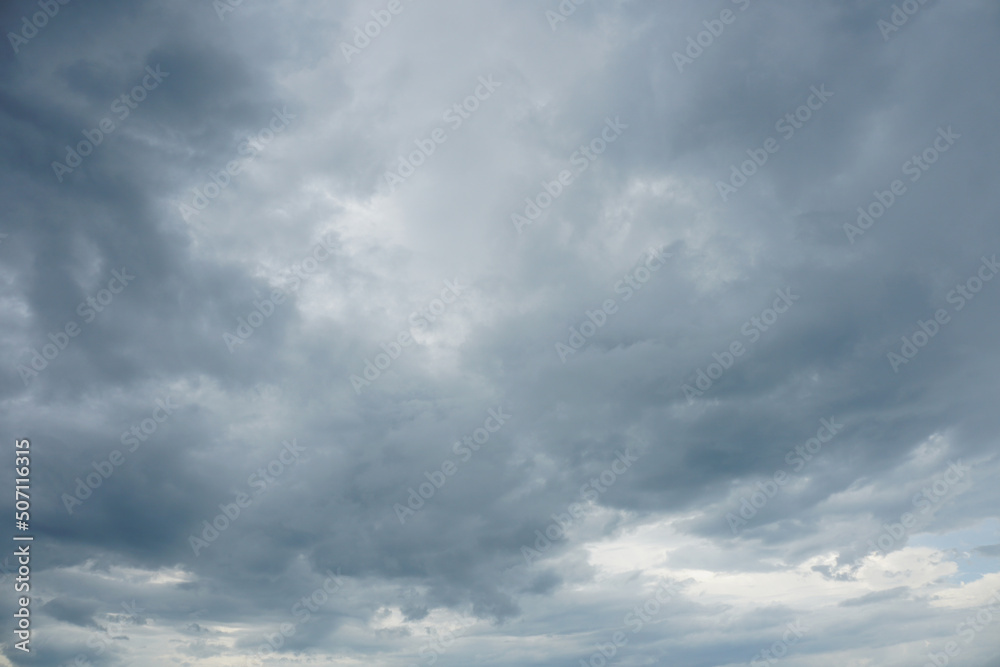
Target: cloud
[(215, 210)]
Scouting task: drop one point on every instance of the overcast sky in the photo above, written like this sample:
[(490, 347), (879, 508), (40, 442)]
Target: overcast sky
[(510, 333)]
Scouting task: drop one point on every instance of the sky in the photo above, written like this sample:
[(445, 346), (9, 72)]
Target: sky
[(431, 332)]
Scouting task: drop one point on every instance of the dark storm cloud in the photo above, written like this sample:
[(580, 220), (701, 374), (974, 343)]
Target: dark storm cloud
[(72, 611), (201, 272)]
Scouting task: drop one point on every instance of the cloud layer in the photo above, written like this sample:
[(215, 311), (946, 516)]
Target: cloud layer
[(410, 333)]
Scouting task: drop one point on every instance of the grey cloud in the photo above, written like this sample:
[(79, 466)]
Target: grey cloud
[(458, 562)]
